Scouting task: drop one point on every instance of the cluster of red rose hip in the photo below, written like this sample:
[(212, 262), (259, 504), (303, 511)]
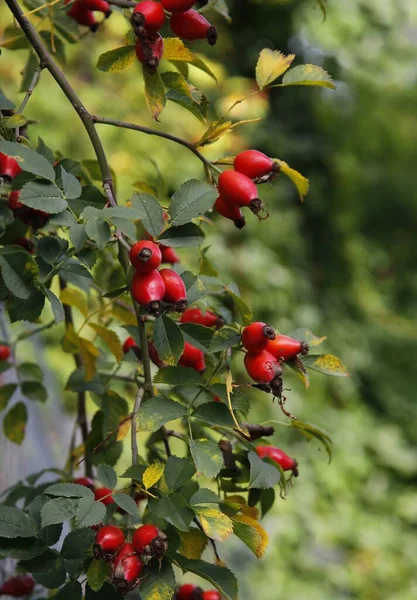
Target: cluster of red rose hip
[(237, 187), (9, 169), (18, 586), (82, 11), (149, 17), (266, 353)]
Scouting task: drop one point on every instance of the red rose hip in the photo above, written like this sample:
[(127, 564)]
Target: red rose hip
[(256, 165), (175, 291), (262, 366), (129, 344), (169, 255), (286, 348), (211, 595), (108, 540), (14, 201), (280, 457), (85, 481), (9, 167), (256, 336), (150, 541), (148, 290), (145, 256), (104, 495), (127, 566), (98, 6), (207, 318), (17, 587), (4, 352), (83, 16), (239, 190), (192, 357), (148, 17), (150, 51), (191, 25), (188, 591), (230, 211), (177, 5)]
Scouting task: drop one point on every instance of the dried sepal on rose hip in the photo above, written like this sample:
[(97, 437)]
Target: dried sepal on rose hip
[(148, 290), (150, 541), (191, 26), (147, 18), (149, 51), (145, 256), (126, 569), (255, 337), (175, 290), (286, 348), (280, 457), (238, 190), (256, 165), (109, 540)]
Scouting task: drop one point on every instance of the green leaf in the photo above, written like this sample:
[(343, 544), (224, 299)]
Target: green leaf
[(159, 583), (182, 236), (49, 249), (176, 81), (207, 457), (262, 474), (43, 196), (308, 75), (18, 270), (150, 213), (191, 200), (174, 510), (116, 60), (68, 490), (28, 159), (6, 104), (58, 510), (214, 413), (31, 371), (97, 573), (178, 471), (271, 64), (14, 423), (198, 109), (89, 512), (71, 591), (168, 340), (78, 235), (197, 335), (56, 306), (178, 376), (155, 412), (251, 533), (77, 543), (220, 577), (25, 309), (43, 149), (201, 65), (327, 364), (127, 503), (215, 523), (154, 93), (6, 392), (134, 472), (243, 309), (21, 548), (14, 121), (224, 338), (194, 286), (34, 390), (267, 500), (204, 496), (107, 476), (98, 230), (312, 431), (70, 185), (14, 523), (41, 564)]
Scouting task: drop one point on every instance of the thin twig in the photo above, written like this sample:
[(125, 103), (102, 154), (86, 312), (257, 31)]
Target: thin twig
[(134, 441), (123, 3), (30, 89)]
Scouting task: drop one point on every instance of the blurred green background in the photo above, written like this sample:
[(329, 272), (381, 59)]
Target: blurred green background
[(343, 264)]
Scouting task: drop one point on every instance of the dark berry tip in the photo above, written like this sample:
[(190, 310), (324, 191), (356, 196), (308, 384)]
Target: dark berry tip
[(240, 223), (94, 27), (145, 254), (276, 385), (137, 20), (269, 332), (181, 306), (212, 35), (154, 307), (256, 206), (294, 470), (305, 348)]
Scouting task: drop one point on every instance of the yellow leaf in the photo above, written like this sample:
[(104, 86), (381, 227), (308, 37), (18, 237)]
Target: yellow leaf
[(154, 93), (89, 355), (70, 340), (215, 131), (245, 122), (142, 186), (110, 339), (123, 430), (75, 297), (301, 183), (249, 511), (308, 75), (251, 533), (271, 64), (326, 364), (124, 316), (215, 523), (117, 60), (193, 543), (174, 49), (152, 474), (227, 160)]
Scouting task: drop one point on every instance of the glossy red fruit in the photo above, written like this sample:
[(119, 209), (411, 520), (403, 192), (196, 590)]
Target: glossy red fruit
[(14, 200), (256, 165), (129, 344), (85, 481), (207, 318), (150, 51), (211, 595), (239, 190), (148, 290), (148, 17), (83, 16), (279, 456), (262, 367), (177, 5), (9, 167), (98, 6), (108, 541), (4, 352), (127, 566), (17, 587), (230, 211), (192, 357), (286, 348), (188, 591), (145, 256), (104, 495), (169, 255), (191, 26), (150, 541), (175, 291), (154, 356), (256, 336)]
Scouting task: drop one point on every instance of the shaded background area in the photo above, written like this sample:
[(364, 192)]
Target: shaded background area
[(343, 264)]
